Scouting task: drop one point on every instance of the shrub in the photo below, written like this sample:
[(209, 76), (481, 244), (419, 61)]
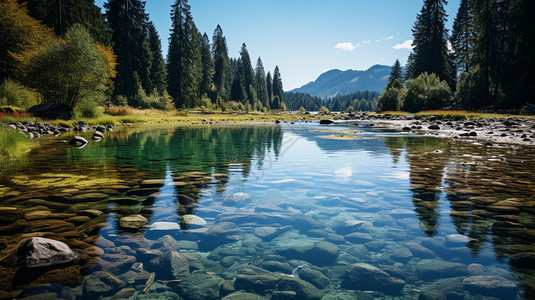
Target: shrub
[(392, 98), (15, 94), (324, 109), (427, 92), (13, 141)]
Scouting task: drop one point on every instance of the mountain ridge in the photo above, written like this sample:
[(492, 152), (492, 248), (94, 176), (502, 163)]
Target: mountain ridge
[(337, 82)]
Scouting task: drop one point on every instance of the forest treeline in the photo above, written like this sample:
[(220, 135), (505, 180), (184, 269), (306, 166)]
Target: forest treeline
[(69, 52), (485, 63), (359, 101)]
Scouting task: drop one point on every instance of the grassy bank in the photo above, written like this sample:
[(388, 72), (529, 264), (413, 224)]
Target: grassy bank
[(158, 117), (13, 142)]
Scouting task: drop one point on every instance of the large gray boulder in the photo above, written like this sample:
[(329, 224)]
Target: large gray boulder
[(201, 286), (174, 265), (362, 276), (42, 252)]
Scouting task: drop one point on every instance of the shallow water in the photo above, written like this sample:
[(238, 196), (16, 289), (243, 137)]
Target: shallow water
[(273, 212)]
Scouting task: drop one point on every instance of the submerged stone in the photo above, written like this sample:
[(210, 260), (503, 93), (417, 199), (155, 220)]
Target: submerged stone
[(440, 269), (134, 222), (362, 276), (200, 286), (220, 234), (495, 286), (243, 296), (42, 252), (174, 265)]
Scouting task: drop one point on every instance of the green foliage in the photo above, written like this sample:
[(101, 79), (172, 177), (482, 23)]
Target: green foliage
[(222, 70), (261, 85), (392, 98), (15, 94), (158, 71), (360, 101), (324, 109), (13, 142), (461, 37), (247, 75), (207, 82), (427, 92), (278, 91), (302, 109), (71, 72)]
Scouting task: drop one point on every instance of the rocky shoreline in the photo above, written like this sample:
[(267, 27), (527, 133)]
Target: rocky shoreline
[(489, 131)]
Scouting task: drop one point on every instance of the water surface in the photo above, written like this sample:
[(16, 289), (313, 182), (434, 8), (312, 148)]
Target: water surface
[(280, 212)]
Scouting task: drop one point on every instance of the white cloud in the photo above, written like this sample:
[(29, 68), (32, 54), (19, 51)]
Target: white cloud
[(388, 38), (347, 46), (405, 45), (367, 42), (450, 47)]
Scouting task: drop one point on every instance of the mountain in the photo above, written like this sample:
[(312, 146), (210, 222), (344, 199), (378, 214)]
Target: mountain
[(337, 82)]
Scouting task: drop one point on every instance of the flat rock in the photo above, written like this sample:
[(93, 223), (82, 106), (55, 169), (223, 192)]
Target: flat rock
[(192, 221), (42, 252), (362, 276), (220, 234), (200, 286), (495, 286), (440, 269), (133, 222)]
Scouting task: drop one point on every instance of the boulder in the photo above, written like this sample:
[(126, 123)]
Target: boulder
[(495, 286), (314, 277), (200, 286), (174, 265), (321, 254), (101, 283), (51, 111), (362, 276), (220, 234), (192, 222), (326, 122), (133, 222), (78, 141), (302, 289), (440, 269), (42, 252)]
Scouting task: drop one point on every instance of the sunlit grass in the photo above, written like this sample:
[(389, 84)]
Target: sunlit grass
[(13, 142)]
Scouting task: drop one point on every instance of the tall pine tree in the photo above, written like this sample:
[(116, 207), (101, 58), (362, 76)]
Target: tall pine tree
[(396, 73), (261, 87), (278, 92), (222, 69), (207, 68), (461, 37), (248, 78), (158, 72), (430, 42), (183, 58), (269, 86), (128, 22)]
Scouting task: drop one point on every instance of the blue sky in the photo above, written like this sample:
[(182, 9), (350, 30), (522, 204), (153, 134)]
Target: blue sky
[(306, 37)]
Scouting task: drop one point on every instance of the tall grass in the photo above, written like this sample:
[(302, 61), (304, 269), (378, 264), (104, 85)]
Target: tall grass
[(12, 142)]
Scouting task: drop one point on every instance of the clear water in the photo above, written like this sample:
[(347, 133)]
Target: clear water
[(273, 212)]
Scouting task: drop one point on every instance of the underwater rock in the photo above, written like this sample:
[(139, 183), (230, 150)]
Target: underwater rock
[(362, 276), (276, 266), (134, 222), (101, 283), (192, 221), (525, 260), (200, 286), (69, 276), (243, 296), (314, 277), (440, 269), (302, 289), (166, 243), (42, 252), (420, 251), (174, 265), (37, 215), (220, 234), (449, 288), (321, 254), (358, 238), (495, 286)]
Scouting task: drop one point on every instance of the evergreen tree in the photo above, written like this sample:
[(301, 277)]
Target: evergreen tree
[(247, 76), (430, 42), (222, 70), (183, 59), (261, 87), (461, 36), (157, 70), (207, 67), (409, 68), (60, 15), (269, 86), (484, 52), (237, 91), (128, 22), (396, 73), (278, 92)]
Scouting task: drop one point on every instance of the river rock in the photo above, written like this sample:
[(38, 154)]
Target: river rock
[(200, 286), (525, 260), (440, 269), (78, 141), (192, 221), (362, 276), (42, 252), (314, 277), (326, 122), (243, 296), (495, 286), (166, 243), (358, 238), (174, 265), (302, 289), (321, 254), (101, 283), (276, 266), (220, 234), (133, 222)]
